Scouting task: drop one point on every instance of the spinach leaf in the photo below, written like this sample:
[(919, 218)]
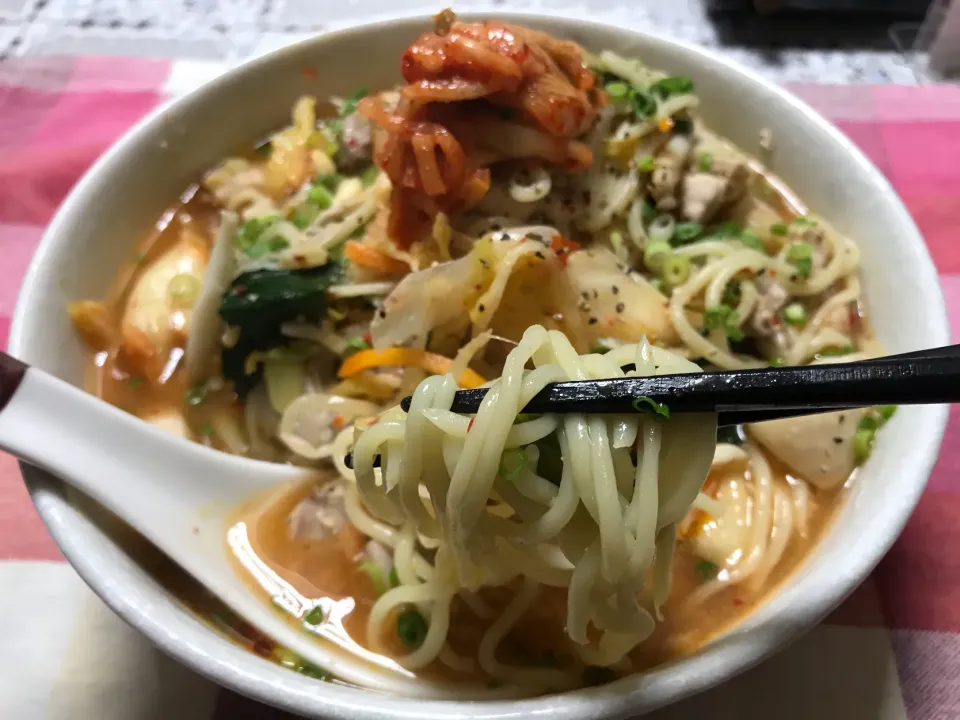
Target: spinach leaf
[(259, 302)]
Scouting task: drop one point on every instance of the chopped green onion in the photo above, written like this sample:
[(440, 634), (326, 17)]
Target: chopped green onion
[(868, 422), (804, 222), (649, 211), (656, 254), (251, 230), (646, 163), (206, 430), (599, 348), (778, 229), (305, 214), (726, 230), (723, 317), (270, 245), (686, 232), (287, 658), (837, 351), (732, 294), (617, 90), (311, 670), (801, 256), (705, 161), (376, 575), (795, 314), (657, 284), (675, 85), (643, 103), (195, 394), (646, 404), (706, 570), (369, 175), (512, 463), (320, 196), (777, 361), (393, 578), (412, 629), (134, 381), (525, 417), (141, 258), (331, 182), (356, 344), (676, 270), (315, 616), (751, 240), (350, 104), (264, 148), (183, 289), (886, 412), (863, 443)]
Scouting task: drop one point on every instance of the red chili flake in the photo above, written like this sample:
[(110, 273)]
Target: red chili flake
[(470, 424), (775, 322), (240, 290), (338, 421), (737, 602), (854, 316), (309, 73), (302, 259), (368, 338)]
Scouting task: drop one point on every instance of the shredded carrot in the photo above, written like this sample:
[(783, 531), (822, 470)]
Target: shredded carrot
[(406, 357), (665, 124), (371, 258), (562, 247)]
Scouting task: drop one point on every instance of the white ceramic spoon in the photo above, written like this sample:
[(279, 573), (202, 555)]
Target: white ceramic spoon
[(175, 493)]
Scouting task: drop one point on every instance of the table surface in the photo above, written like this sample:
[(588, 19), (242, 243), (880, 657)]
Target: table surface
[(795, 49), (76, 74)]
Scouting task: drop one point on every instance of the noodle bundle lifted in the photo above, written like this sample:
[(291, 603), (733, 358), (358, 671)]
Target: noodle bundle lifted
[(471, 487)]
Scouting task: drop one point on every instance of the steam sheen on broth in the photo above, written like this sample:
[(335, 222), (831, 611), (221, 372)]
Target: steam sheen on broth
[(517, 211)]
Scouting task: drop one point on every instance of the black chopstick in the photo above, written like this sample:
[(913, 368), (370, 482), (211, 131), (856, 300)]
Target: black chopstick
[(922, 377), (744, 396)]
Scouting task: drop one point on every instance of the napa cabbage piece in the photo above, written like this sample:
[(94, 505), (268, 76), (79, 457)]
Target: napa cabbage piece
[(503, 286), (619, 306)]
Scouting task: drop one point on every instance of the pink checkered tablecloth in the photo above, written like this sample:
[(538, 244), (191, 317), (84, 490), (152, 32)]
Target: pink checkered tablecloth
[(891, 651)]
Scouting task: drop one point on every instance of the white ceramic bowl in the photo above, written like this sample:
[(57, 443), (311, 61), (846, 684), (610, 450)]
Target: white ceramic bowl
[(122, 196)]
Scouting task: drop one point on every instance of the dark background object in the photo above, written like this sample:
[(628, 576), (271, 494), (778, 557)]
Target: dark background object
[(849, 25), (901, 9)]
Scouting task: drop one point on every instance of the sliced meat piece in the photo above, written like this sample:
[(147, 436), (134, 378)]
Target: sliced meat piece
[(772, 297), (704, 193), (321, 514), (817, 448), (668, 172), (811, 235), (356, 142)]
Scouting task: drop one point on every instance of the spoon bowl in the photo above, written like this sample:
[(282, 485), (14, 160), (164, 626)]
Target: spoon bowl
[(180, 496)]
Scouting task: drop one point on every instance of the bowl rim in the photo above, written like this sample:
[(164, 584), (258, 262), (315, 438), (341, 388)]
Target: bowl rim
[(241, 671)]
